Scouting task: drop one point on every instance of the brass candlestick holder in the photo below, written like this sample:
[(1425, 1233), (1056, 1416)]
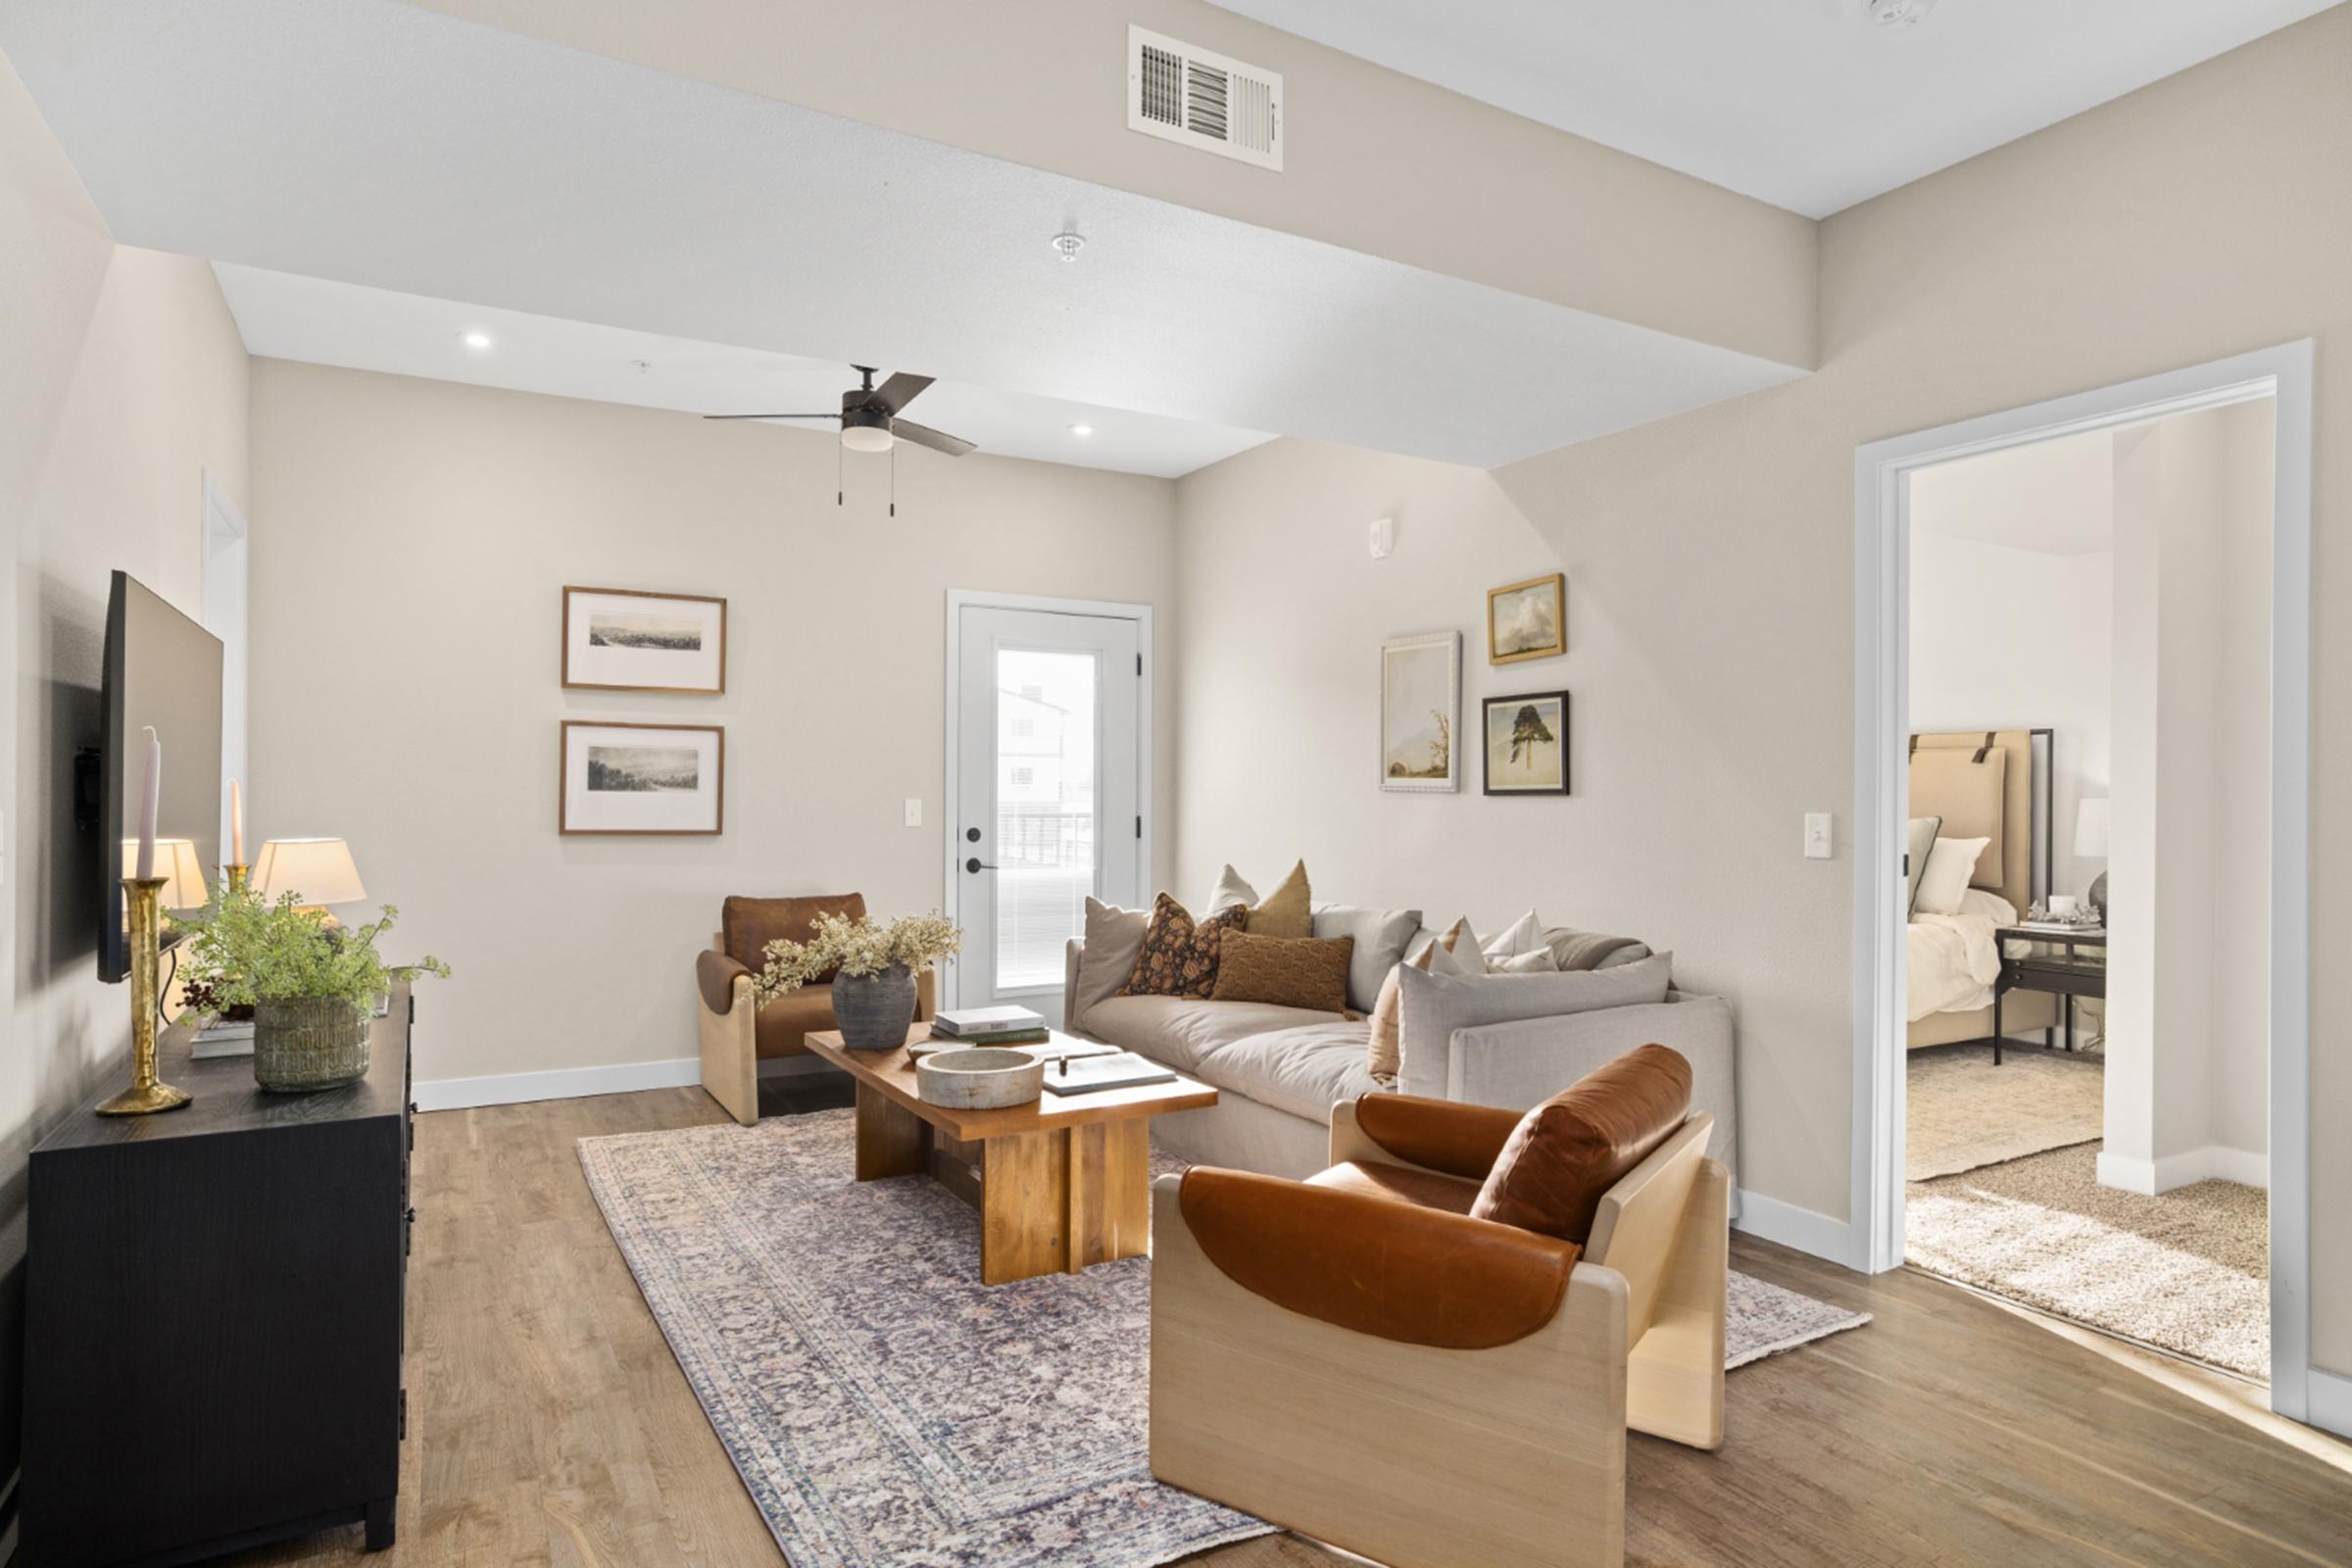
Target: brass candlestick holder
[(236, 876), (146, 1093)]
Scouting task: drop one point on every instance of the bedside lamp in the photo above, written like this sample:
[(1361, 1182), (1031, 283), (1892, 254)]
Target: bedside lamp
[(2091, 844), (317, 871), (176, 862)]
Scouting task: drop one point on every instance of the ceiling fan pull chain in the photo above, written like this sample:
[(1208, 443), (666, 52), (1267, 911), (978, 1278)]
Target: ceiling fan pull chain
[(838, 481), (893, 478)]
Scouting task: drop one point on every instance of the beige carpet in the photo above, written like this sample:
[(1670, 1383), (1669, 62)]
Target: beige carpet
[(1965, 1112), (2187, 1272)]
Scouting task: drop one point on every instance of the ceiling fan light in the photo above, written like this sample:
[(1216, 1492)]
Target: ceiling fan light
[(866, 437)]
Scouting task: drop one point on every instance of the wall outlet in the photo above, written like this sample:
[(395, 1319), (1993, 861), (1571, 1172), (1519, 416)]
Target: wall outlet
[(914, 810), (1817, 836)]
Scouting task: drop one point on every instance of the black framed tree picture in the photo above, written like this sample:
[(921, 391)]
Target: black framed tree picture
[(1527, 744)]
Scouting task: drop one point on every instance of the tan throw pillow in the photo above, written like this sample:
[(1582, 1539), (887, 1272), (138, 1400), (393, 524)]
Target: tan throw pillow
[(1287, 971), (1179, 955), (1287, 911)]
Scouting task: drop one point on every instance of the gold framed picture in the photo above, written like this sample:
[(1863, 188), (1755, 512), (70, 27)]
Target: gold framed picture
[(1527, 619)]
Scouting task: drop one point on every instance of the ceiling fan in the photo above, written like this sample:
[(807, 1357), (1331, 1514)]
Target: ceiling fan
[(870, 417)]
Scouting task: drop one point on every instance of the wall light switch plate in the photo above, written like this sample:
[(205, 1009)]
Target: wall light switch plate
[(1817, 835), (1384, 536), (914, 810)]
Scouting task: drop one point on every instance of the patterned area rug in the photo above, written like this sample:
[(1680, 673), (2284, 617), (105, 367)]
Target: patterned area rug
[(2187, 1272), (1962, 1111), (883, 1406)]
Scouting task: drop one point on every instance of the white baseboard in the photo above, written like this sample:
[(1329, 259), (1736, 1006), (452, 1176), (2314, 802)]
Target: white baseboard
[(2148, 1178), (1791, 1226), (2329, 1402), (563, 1083)]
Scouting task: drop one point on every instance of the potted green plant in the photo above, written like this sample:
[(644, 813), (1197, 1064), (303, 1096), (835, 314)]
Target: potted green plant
[(312, 984), (872, 967)]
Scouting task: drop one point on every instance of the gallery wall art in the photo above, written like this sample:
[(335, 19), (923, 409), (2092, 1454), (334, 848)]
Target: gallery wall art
[(642, 778), (1526, 744), (1527, 619), (1420, 703), (622, 639)]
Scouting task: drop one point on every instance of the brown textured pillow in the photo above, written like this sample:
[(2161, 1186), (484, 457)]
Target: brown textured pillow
[(1288, 971), (1571, 1149), (1179, 955)]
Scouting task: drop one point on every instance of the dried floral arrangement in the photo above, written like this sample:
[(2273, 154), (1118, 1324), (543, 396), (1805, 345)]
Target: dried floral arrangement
[(856, 948)]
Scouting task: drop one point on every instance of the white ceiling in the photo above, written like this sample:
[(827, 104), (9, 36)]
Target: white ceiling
[(1806, 104), (2054, 497), (373, 143), (289, 318)]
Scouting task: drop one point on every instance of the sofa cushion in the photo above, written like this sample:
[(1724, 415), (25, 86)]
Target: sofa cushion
[(1456, 951), (1423, 1188), (1179, 955), (1304, 1070), (1113, 937), (747, 925), (1180, 1030), (1290, 971), (1380, 938), (1432, 1006), (1567, 1152)]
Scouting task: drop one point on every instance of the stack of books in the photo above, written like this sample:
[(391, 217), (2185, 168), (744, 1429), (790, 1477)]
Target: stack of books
[(989, 1026)]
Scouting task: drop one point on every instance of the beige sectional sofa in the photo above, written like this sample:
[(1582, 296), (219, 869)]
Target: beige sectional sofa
[(1279, 1070)]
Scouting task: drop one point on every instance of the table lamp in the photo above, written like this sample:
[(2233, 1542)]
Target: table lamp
[(2091, 844), (317, 871), (176, 863)]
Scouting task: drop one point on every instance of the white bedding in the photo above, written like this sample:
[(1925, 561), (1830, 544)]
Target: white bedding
[(1953, 958)]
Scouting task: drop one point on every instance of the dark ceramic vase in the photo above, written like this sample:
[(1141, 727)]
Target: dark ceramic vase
[(872, 1011)]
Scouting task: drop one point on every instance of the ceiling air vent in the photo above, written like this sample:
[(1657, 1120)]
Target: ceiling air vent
[(1183, 94)]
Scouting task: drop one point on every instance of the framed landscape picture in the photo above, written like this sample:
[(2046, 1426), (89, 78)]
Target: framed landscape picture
[(1527, 619), (1527, 744), (1420, 700), (618, 639), (643, 779)]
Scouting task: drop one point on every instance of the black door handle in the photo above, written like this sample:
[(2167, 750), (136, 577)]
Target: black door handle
[(973, 864)]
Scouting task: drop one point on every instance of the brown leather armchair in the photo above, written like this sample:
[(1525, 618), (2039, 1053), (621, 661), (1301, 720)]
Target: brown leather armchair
[(1357, 1358), (737, 1034)]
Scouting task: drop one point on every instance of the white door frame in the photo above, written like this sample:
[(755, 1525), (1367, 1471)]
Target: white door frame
[(1882, 677), (960, 599)]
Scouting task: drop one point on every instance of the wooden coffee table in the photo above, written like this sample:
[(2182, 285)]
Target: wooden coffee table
[(1059, 1184)]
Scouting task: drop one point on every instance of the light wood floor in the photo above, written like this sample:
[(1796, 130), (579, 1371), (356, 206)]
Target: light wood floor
[(549, 1424)]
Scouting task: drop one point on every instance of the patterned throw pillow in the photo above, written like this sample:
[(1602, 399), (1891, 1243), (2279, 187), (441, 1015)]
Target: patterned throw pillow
[(1287, 971), (1179, 956)]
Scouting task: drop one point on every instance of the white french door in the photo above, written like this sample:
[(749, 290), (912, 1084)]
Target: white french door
[(1045, 788)]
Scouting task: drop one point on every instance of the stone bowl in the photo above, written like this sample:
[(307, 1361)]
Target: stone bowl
[(979, 1078)]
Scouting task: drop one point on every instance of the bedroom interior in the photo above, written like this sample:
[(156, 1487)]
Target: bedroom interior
[(2111, 587)]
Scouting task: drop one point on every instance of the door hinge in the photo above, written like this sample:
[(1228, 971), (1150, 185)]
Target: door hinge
[(1906, 867), (1139, 663), (1138, 827)]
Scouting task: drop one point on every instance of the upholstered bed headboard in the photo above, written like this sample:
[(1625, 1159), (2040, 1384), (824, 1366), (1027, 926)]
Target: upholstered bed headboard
[(1997, 785)]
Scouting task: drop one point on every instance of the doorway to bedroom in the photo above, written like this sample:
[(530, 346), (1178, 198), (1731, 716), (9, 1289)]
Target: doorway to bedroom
[(2085, 916)]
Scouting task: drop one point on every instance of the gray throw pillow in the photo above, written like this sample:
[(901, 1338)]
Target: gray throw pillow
[(1113, 937), (1381, 937), (1432, 1006)]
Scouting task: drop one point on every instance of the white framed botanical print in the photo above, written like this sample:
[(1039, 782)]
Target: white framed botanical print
[(1420, 704), (642, 778), (626, 640)]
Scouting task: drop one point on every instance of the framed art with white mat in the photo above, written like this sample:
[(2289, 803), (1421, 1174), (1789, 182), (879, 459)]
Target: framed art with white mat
[(1420, 704), (1526, 743), (642, 778), (623, 640)]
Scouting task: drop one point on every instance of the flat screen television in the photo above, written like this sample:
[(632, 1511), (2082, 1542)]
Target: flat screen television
[(161, 669)]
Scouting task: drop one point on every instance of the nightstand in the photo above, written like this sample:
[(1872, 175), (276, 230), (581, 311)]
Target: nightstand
[(2068, 960)]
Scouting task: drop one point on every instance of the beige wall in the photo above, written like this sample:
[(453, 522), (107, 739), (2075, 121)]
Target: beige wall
[(122, 382), (409, 542), (1710, 562), (1375, 161)]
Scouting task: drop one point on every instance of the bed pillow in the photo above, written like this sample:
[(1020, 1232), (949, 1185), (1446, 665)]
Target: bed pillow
[(1950, 865), (1286, 971), (1917, 842)]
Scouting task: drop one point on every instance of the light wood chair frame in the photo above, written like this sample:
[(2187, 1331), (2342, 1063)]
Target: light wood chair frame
[(730, 1040), (1422, 1457)]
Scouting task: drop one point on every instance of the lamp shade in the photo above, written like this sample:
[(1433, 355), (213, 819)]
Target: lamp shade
[(317, 871), (2090, 829), (176, 863)]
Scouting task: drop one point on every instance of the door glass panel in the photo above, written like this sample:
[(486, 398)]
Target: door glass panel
[(1044, 811)]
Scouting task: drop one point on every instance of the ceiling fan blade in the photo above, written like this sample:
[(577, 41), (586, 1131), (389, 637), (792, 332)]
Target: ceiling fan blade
[(899, 391), (771, 416), (922, 435)]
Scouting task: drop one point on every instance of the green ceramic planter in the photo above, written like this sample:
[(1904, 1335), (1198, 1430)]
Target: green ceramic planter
[(302, 1044)]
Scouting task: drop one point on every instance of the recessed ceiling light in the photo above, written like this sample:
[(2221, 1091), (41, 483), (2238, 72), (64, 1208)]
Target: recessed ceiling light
[(1068, 244), (476, 340), (1081, 429)]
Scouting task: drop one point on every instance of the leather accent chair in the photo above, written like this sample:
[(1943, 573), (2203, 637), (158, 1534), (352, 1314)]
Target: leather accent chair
[(1359, 1360), (737, 1034)]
